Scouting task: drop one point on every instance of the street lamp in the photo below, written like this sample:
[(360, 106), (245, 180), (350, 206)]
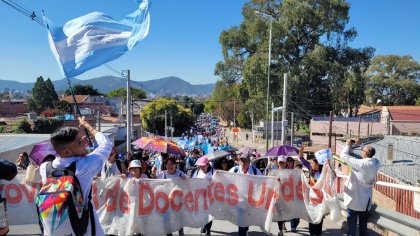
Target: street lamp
[(268, 72)]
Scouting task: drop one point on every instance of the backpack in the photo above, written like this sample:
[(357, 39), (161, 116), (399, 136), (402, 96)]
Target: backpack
[(254, 169), (60, 204)]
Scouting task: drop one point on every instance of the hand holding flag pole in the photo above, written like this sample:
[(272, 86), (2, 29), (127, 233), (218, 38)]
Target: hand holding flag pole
[(78, 112)]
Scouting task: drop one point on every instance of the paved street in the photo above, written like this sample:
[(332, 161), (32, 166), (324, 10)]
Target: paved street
[(221, 228)]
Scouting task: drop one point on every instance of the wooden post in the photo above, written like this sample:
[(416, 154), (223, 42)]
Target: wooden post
[(330, 130)]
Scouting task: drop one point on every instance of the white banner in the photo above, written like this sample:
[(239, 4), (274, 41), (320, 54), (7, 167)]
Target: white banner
[(151, 206)]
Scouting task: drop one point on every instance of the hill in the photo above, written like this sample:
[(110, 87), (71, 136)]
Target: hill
[(165, 86)]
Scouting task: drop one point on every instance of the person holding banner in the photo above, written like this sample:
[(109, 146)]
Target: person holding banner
[(205, 171), (315, 170), (172, 172), (245, 168), (358, 188)]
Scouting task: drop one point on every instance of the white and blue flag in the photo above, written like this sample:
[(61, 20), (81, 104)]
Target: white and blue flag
[(94, 39)]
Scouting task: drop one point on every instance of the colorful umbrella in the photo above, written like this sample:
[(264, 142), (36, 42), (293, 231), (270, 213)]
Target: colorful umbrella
[(158, 145), (40, 151), (283, 150)]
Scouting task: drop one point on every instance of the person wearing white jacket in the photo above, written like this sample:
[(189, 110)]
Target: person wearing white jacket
[(358, 188)]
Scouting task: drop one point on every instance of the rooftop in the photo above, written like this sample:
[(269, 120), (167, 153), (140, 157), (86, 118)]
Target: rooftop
[(12, 141), (404, 113), (79, 98)]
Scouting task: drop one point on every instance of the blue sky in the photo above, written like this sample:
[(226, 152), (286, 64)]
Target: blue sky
[(183, 40)]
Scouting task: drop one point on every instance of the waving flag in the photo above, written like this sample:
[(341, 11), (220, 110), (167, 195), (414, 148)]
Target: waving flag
[(94, 39)]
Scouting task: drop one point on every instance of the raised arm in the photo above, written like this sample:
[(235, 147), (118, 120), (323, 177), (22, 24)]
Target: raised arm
[(345, 155), (302, 159)]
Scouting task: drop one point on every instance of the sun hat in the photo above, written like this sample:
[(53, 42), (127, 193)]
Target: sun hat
[(134, 164), (202, 161)]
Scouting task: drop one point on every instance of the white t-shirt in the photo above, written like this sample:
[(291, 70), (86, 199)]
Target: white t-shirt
[(201, 175), (164, 174)]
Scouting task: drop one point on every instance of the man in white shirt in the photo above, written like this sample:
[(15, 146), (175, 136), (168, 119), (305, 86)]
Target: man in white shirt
[(70, 144), (358, 188), (246, 168)]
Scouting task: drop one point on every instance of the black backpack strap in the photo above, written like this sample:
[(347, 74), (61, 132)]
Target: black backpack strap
[(91, 214), (236, 169), (254, 169)]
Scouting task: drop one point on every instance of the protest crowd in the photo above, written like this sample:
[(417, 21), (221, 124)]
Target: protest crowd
[(80, 187)]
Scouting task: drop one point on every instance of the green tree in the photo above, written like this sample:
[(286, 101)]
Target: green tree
[(136, 93), (309, 42), (46, 125), (394, 79), (43, 95), (153, 116), (83, 89), (225, 101)]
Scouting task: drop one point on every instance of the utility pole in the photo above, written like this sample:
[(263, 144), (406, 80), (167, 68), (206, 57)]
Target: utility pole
[(98, 119), (330, 130), (234, 113), (292, 128), (272, 124), (283, 122), (128, 111), (172, 128), (166, 124)]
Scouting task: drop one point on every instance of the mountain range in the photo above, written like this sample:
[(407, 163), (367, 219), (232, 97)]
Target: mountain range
[(165, 86)]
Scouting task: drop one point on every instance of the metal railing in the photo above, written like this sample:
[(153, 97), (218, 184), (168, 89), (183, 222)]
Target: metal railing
[(386, 219)]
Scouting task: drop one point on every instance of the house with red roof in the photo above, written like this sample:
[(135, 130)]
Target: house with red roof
[(379, 120), (402, 120)]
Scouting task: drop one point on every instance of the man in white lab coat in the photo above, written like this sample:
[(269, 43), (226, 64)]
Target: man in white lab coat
[(358, 188)]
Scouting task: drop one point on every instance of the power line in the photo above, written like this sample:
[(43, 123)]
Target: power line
[(19, 7)]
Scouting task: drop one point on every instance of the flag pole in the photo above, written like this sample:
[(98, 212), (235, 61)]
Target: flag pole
[(78, 111)]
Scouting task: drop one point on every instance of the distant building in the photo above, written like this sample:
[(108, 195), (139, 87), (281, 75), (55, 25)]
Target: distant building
[(88, 104), (12, 108), (382, 120)]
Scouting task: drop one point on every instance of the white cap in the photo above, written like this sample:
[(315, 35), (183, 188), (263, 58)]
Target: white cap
[(134, 163), (281, 158)]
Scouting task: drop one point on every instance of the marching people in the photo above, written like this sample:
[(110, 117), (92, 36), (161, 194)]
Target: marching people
[(315, 170), (172, 172), (246, 168), (136, 170), (358, 188), (70, 144), (205, 171), (113, 166), (282, 164)]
